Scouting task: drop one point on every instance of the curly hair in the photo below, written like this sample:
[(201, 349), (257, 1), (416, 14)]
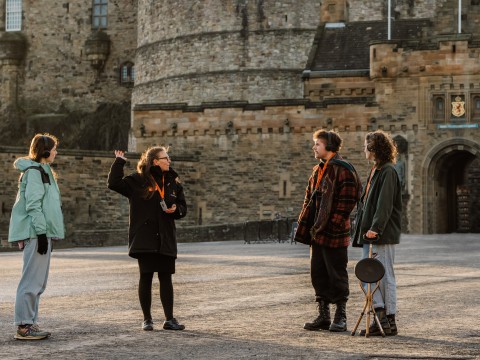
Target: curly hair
[(144, 167), (333, 141), (382, 146)]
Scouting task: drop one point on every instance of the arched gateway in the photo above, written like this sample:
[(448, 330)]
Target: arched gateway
[(451, 173)]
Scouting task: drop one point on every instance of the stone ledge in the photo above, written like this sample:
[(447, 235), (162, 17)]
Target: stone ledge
[(245, 105), (247, 231)]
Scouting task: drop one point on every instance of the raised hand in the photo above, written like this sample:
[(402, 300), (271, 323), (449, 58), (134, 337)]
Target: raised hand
[(120, 154)]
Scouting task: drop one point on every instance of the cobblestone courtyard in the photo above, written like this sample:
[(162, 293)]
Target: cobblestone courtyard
[(246, 301)]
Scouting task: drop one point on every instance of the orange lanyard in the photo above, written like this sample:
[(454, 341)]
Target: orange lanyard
[(162, 190), (369, 182), (322, 171)]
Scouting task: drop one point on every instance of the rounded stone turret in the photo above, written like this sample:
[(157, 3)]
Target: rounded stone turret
[(222, 50), (13, 47)]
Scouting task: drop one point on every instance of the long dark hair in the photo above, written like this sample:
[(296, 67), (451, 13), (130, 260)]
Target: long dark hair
[(144, 168), (382, 146)]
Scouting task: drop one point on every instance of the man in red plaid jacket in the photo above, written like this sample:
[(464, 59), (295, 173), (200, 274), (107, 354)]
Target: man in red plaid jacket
[(324, 223)]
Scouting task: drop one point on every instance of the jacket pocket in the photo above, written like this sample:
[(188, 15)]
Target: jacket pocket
[(145, 239)]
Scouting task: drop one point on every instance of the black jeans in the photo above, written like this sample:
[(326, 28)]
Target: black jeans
[(329, 273)]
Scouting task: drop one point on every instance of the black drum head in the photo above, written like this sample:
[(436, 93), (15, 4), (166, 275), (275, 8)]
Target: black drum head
[(369, 270)]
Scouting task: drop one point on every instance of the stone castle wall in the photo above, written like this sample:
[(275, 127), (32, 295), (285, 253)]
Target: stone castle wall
[(369, 10), (93, 214), (249, 165), (97, 216), (258, 166), (56, 76)]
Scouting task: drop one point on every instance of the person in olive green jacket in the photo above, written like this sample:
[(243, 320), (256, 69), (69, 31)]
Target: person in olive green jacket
[(36, 219), (378, 218)]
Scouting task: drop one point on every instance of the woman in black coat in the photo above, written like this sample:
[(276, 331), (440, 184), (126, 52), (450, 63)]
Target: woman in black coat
[(156, 199)]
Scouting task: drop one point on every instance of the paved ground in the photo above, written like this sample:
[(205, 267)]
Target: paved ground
[(246, 302)]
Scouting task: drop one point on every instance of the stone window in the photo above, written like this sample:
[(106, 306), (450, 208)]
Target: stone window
[(99, 14), (13, 15), (127, 73), (476, 107), (438, 109)]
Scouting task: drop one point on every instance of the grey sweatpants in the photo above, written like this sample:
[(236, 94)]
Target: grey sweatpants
[(386, 295), (32, 283)]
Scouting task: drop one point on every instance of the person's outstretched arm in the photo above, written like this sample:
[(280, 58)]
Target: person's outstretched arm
[(116, 181)]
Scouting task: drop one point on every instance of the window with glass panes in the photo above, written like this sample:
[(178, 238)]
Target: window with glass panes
[(127, 74), (99, 14), (13, 15)]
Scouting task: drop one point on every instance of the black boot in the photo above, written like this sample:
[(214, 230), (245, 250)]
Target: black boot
[(374, 330), (322, 322), (340, 320), (393, 325)]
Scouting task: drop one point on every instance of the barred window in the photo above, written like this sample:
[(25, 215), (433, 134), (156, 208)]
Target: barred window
[(13, 15), (127, 73), (99, 14)]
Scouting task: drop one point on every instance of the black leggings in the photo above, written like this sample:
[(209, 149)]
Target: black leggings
[(166, 294)]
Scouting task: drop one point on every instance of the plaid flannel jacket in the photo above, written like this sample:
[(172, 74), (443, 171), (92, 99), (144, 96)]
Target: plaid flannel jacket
[(338, 193)]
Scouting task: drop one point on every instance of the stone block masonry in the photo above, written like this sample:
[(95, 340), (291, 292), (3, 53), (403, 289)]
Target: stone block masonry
[(56, 79), (228, 50), (94, 215)]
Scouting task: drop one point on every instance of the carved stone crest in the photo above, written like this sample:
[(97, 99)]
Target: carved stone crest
[(458, 107)]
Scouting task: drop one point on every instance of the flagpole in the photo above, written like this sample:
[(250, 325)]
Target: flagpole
[(389, 36), (459, 16)]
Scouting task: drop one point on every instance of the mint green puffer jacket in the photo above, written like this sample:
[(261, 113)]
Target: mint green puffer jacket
[(38, 207)]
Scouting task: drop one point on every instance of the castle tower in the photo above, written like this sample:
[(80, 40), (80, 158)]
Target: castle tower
[(222, 50)]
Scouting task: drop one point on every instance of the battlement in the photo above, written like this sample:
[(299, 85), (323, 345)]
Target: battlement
[(454, 55), (283, 117)]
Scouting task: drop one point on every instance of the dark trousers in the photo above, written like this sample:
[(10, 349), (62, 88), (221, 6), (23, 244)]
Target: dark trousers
[(329, 273)]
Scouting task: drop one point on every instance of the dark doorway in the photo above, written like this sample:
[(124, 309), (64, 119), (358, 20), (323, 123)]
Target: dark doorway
[(455, 192)]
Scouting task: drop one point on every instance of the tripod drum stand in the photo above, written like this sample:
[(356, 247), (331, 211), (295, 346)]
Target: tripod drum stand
[(369, 271)]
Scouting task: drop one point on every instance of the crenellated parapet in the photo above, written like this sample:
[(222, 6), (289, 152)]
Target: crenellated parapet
[(449, 55), (153, 122)]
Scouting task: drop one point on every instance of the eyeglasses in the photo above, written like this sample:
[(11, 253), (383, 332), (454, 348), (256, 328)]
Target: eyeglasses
[(165, 157)]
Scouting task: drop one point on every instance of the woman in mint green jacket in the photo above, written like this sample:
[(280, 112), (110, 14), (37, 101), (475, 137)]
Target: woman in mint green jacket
[(36, 219)]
